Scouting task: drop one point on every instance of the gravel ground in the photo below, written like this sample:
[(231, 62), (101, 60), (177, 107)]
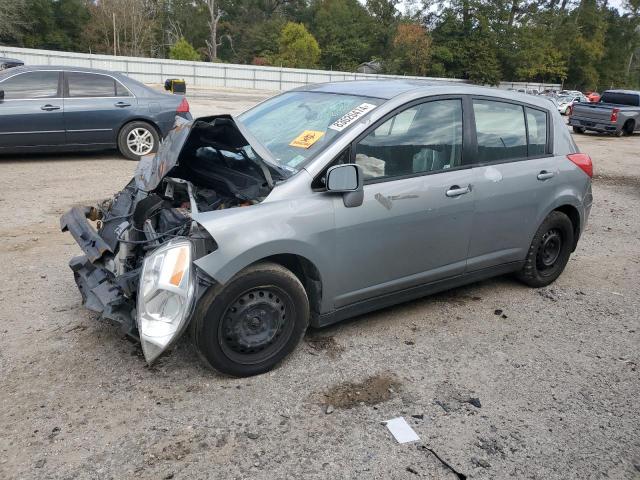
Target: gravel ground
[(547, 388)]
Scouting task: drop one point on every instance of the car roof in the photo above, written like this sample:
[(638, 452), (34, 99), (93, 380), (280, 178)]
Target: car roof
[(6, 59), (633, 92), (389, 88), (33, 68)]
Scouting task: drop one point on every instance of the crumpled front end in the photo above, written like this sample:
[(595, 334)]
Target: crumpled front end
[(139, 246)]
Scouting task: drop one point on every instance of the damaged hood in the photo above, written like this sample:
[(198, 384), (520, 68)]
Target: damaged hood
[(153, 168)]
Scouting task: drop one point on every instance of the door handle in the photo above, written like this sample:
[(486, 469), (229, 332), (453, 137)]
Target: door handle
[(123, 104), (544, 175), (456, 191), (49, 107)]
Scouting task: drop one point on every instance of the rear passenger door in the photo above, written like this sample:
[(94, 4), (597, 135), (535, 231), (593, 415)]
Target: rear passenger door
[(96, 106), (514, 172)]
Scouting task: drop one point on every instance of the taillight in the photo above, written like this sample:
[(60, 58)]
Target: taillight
[(183, 107), (614, 114), (583, 161)]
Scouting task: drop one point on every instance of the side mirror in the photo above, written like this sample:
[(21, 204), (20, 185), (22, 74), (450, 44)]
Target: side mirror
[(348, 180)]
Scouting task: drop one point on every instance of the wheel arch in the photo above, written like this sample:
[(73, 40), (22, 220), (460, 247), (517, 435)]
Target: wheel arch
[(308, 274), (574, 215)]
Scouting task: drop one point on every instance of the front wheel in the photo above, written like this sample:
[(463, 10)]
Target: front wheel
[(249, 325), (137, 139), (578, 130), (549, 251)]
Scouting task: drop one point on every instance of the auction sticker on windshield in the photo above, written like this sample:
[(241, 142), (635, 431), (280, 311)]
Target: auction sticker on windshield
[(350, 117), (306, 139)]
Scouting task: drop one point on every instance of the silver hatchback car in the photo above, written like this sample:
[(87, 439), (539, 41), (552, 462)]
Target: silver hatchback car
[(326, 202)]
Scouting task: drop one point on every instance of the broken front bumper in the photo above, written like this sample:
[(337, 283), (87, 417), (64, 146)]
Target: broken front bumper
[(101, 291)]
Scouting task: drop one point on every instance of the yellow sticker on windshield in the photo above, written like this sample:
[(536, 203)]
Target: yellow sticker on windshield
[(306, 139)]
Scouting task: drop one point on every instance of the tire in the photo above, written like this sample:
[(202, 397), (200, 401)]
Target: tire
[(549, 251), (628, 127), (578, 130), (137, 139), (252, 323)]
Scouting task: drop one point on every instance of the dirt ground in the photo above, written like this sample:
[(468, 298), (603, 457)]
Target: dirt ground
[(547, 388)]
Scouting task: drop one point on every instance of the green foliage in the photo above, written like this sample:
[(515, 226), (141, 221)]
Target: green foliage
[(297, 47), (183, 50), (585, 44)]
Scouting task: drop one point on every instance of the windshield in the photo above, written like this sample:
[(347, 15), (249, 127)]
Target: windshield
[(296, 126)]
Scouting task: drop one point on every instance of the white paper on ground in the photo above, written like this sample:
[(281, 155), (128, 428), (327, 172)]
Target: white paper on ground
[(401, 430)]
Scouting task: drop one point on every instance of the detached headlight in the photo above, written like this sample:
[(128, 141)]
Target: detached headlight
[(165, 296)]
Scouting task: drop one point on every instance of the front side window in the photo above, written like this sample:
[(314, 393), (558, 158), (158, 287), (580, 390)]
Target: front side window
[(31, 85), (501, 131), (90, 85), (422, 139)]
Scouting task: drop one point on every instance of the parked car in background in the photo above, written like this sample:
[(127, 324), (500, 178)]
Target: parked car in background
[(6, 63), (593, 96), (617, 112), (327, 202), (46, 109), (566, 102)]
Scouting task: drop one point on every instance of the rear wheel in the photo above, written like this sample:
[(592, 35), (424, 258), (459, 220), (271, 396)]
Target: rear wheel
[(549, 251), (137, 139), (252, 323), (578, 130), (628, 127)]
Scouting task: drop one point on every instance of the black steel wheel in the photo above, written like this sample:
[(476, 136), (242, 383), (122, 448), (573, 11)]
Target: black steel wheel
[(549, 251), (253, 322)]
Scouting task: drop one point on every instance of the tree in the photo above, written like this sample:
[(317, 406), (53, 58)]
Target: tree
[(13, 20), (297, 47), (134, 21), (344, 31), (183, 50), (411, 49)]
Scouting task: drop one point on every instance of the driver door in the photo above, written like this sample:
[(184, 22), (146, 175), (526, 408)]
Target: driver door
[(414, 225)]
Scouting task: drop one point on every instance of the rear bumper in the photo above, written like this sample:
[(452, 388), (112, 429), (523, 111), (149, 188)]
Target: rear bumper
[(587, 124)]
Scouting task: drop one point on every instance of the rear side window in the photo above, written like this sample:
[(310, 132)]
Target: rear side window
[(90, 85), (537, 125), (631, 99), (31, 85), (501, 131)]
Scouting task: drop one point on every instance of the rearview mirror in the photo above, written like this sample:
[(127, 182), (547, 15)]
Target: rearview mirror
[(347, 179)]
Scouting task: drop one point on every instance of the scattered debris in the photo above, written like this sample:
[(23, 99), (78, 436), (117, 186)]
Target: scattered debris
[(445, 406), (412, 470), (401, 430), (491, 446), (497, 311), (475, 401), (419, 416), (40, 463), (409, 342), (461, 476), (373, 390), (324, 343), (329, 409), (252, 435)]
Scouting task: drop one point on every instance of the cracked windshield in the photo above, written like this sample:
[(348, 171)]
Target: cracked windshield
[(297, 126)]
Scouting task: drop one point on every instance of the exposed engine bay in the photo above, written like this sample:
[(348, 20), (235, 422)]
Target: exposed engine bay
[(203, 166)]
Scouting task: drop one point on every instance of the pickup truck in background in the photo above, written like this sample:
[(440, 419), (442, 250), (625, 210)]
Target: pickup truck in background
[(617, 112)]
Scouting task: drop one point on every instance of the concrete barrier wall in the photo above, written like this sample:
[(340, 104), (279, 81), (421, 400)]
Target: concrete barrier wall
[(206, 74)]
